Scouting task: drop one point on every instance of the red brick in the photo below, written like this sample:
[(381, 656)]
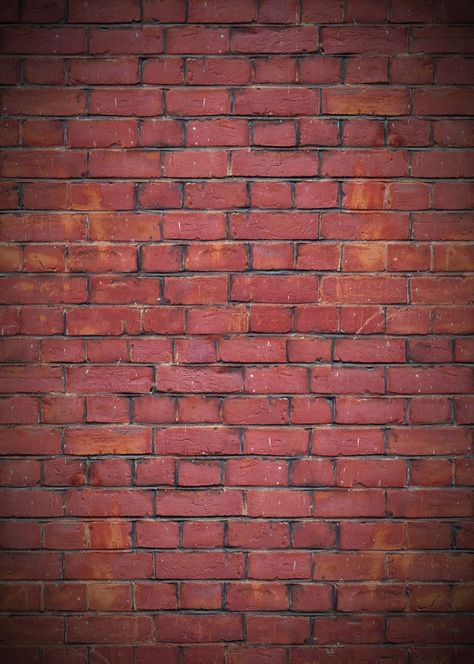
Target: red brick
[(38, 40), (257, 596), (192, 441), (364, 258), (268, 195), (155, 471), (429, 410), (268, 318), (161, 132), (414, 380), (217, 71), (364, 39), (362, 320), (201, 595), (365, 102), (109, 629), (299, 39), (220, 257), (275, 69), (282, 503), (367, 69), (411, 69), (19, 350), (315, 318), (64, 472), (196, 101), (19, 410), (451, 133), (193, 226), (108, 440), (431, 472), (273, 288), (204, 473), (252, 349), (189, 351), (123, 11), (313, 534), (315, 131), (199, 409), (8, 195), (371, 597), (25, 472), (120, 379), (316, 194), (445, 164), (197, 40), (273, 226), (258, 410), (218, 11), (23, 440), (274, 256), (199, 627), (97, 502), (308, 349), (279, 565), (34, 503), (422, 441), (20, 597), (118, 101), (195, 164), (202, 195), (265, 163), (312, 472), (361, 290), (164, 11), (153, 533), (155, 596), (453, 195), (282, 133), (322, 12), (311, 597), (217, 320), (319, 69), (441, 39), (428, 503), (100, 71), (408, 132), (275, 441), (344, 442), (198, 565), (363, 629), (364, 226), (276, 379), (217, 132), (29, 629), (48, 71), (278, 629), (203, 534), (275, 101), (347, 503), (355, 566), (199, 503), (365, 163), (115, 321)]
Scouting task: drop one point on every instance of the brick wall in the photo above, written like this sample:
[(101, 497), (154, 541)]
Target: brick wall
[(235, 399)]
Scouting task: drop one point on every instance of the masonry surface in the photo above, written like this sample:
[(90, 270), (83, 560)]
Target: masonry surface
[(236, 390)]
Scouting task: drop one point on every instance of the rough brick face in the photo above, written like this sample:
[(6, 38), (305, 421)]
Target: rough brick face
[(236, 393)]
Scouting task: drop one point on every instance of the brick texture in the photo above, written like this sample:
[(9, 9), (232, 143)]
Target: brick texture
[(236, 394)]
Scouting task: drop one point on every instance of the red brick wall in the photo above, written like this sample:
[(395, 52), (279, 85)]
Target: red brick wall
[(236, 394)]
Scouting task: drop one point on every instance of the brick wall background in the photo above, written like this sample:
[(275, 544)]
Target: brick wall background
[(236, 385)]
